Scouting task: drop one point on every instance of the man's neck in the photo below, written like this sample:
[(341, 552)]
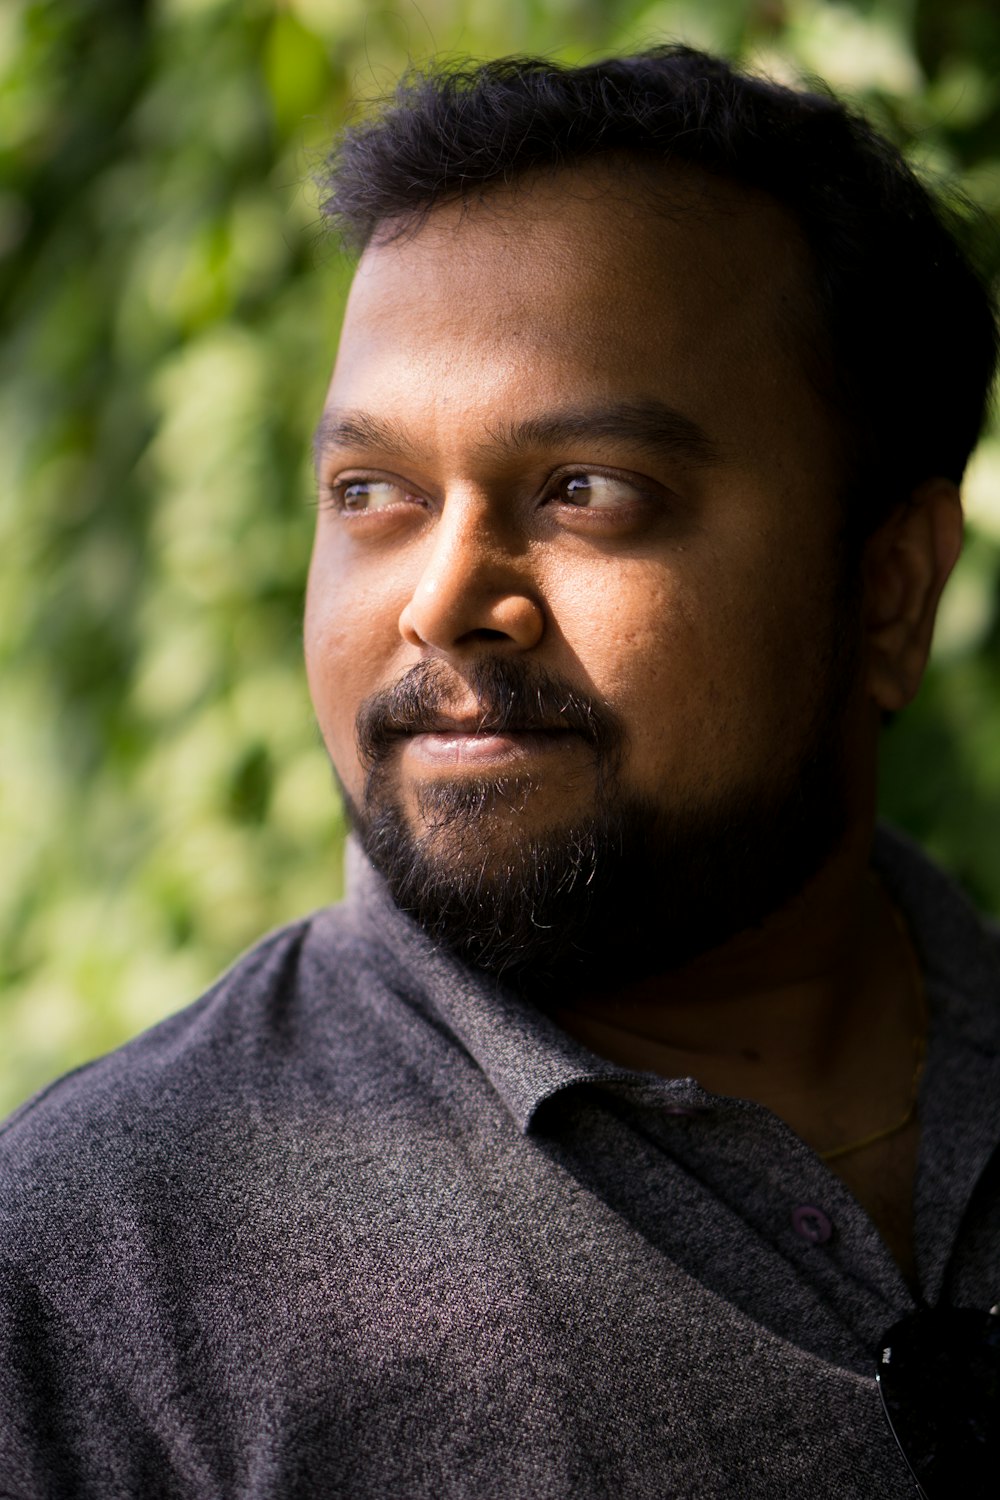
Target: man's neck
[(812, 1015)]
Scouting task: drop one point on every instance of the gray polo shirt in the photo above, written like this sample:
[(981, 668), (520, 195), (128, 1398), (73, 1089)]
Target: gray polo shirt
[(359, 1223)]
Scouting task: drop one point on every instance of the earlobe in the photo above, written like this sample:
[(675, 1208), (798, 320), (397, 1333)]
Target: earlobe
[(907, 564)]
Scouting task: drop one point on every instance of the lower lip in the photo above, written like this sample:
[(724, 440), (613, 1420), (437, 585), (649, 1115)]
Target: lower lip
[(450, 749)]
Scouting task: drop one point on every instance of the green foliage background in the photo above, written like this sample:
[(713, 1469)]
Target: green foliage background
[(170, 312)]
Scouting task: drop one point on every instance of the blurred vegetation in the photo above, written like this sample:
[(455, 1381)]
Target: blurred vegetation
[(171, 308)]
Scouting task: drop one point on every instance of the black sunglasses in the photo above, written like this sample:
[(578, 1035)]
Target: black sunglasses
[(939, 1377)]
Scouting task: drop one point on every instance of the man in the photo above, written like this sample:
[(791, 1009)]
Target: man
[(639, 1089)]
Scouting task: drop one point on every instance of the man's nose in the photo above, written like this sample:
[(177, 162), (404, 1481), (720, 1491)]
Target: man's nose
[(475, 586)]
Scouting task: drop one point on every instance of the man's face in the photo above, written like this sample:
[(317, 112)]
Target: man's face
[(578, 534)]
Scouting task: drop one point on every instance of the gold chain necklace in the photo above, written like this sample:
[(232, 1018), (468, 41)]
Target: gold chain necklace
[(919, 1044)]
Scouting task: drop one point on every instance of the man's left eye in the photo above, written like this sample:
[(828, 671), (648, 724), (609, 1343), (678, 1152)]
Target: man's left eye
[(594, 491)]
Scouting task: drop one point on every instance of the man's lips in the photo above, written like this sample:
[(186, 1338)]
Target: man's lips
[(470, 744)]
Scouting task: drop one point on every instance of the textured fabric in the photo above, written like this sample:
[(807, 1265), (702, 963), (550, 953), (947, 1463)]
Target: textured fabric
[(358, 1223)]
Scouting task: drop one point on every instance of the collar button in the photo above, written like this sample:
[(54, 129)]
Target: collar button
[(812, 1224)]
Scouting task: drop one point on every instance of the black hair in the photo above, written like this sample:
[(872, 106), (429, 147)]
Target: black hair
[(907, 345)]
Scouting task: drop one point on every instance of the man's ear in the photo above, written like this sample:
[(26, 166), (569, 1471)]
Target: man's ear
[(907, 563)]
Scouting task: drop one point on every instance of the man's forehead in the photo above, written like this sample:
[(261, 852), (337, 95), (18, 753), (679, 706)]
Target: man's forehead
[(582, 249), (576, 290)]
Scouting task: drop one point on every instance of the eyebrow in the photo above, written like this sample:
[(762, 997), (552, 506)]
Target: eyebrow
[(358, 429), (650, 424)]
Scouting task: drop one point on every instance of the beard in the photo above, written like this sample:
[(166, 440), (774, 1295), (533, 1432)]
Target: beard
[(629, 888)]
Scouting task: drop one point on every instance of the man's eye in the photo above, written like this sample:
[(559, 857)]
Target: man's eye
[(594, 491), (368, 494)]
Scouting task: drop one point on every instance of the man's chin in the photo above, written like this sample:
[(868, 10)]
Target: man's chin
[(466, 818), (503, 890)]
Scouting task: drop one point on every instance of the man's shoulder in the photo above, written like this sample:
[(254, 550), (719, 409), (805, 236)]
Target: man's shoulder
[(299, 1017), (934, 900)]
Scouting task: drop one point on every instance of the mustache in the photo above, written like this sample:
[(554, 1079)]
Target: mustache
[(511, 696)]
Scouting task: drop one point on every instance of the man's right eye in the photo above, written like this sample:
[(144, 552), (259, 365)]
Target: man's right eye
[(366, 494)]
